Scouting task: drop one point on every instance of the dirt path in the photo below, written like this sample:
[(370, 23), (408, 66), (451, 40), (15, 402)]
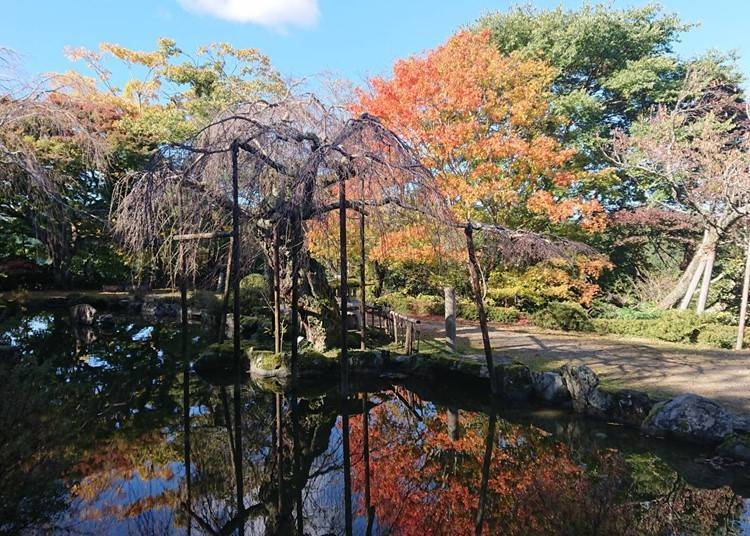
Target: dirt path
[(664, 369)]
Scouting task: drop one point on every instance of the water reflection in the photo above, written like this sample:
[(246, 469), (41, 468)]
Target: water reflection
[(145, 446)]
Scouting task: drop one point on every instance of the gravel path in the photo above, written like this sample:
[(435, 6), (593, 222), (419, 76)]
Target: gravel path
[(659, 368)]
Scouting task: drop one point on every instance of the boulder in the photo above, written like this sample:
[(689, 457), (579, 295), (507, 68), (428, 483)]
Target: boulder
[(583, 385), (365, 360), (690, 417), (83, 314), (630, 407), (549, 386), (265, 363), (514, 381), (161, 309)]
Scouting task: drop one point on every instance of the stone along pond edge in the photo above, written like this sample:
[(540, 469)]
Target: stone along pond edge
[(686, 417)]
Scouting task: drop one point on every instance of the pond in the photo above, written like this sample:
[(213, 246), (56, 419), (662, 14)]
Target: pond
[(106, 430)]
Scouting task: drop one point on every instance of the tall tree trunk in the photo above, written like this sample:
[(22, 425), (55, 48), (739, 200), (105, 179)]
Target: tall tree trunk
[(687, 298), (476, 287), (743, 306), (710, 238), (706, 283)]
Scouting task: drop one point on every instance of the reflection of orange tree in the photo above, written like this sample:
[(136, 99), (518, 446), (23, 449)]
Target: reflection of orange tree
[(425, 483), (106, 471)]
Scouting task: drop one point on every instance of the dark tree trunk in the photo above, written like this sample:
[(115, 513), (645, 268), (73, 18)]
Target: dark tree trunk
[(488, 446), (476, 288)]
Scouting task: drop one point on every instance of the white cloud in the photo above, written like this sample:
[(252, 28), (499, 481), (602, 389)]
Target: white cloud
[(274, 13)]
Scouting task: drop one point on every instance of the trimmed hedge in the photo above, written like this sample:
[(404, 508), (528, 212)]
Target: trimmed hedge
[(565, 316), (504, 315), (421, 304), (673, 326)]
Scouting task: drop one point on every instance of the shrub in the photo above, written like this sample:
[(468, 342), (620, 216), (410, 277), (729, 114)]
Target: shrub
[(680, 326), (466, 309), (504, 315), (719, 336), (205, 300), (254, 292), (421, 304), (565, 316), (624, 326)]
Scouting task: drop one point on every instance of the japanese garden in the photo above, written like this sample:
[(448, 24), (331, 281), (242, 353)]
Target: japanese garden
[(499, 288)]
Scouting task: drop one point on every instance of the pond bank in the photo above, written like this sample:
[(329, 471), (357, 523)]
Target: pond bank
[(686, 417), (663, 370)]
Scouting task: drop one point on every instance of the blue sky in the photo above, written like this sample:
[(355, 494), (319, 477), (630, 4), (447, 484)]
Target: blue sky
[(350, 38)]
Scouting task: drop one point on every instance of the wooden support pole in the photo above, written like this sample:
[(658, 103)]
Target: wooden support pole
[(343, 287), (687, 298), (276, 293), (450, 318), (294, 328), (200, 236), (366, 457), (706, 283), (743, 305), (236, 329), (362, 311)]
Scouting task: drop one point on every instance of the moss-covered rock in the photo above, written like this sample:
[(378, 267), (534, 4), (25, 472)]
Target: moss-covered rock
[(365, 360), (268, 363), (219, 358), (313, 363), (514, 380)]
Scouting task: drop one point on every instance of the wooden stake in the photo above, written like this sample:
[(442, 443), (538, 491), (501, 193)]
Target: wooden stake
[(362, 309), (236, 330), (743, 306), (344, 287)]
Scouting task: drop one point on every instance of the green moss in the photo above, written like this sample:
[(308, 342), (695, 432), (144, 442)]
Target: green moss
[(267, 360), (651, 477)]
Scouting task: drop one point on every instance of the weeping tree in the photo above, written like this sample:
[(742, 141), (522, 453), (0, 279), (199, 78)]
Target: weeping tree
[(53, 162), (258, 173)]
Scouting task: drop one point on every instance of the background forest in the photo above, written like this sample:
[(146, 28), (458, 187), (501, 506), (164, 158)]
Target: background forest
[(580, 124)]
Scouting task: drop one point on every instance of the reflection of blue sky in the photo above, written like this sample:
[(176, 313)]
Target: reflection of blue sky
[(745, 519), (144, 334), (32, 326)]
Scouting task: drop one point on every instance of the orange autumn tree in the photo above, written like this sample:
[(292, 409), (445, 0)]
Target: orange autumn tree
[(479, 121)]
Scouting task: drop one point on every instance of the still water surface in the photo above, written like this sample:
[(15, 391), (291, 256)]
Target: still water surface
[(107, 431)]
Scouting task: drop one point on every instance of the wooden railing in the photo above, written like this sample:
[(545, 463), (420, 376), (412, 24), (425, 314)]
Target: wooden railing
[(401, 328)]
